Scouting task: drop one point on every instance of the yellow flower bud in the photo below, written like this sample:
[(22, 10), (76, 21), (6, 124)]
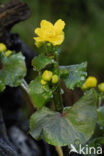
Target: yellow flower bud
[(8, 52), (43, 82), (84, 87), (3, 47), (47, 75), (90, 82), (48, 44), (101, 87), (55, 79)]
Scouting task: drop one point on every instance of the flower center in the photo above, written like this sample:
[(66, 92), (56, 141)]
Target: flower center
[(51, 34)]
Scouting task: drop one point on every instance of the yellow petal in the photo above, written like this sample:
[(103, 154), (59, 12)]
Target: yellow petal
[(57, 40), (59, 26), (38, 44), (38, 39), (46, 25), (37, 31)]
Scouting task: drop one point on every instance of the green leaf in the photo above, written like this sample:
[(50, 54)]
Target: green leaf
[(13, 70), (40, 95), (74, 75), (41, 62), (101, 113), (2, 86), (94, 142), (75, 123)]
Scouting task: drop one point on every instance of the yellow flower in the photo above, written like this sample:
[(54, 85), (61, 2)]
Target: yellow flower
[(8, 52), (50, 33), (90, 82), (47, 75), (101, 87), (3, 47), (43, 82), (55, 79)]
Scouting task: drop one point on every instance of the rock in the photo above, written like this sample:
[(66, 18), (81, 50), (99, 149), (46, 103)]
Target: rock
[(25, 146)]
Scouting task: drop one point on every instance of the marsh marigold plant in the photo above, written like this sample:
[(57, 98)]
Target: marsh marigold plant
[(53, 122), (50, 33)]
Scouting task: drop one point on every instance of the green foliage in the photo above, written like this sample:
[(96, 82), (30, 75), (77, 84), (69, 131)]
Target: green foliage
[(39, 94), (64, 125), (74, 75), (101, 114), (98, 136), (96, 141), (13, 70), (41, 62), (64, 129)]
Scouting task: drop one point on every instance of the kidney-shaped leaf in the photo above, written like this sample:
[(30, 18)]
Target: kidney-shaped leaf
[(76, 123), (39, 95), (13, 70), (41, 62), (74, 75)]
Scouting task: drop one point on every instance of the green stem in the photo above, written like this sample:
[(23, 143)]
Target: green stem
[(58, 100), (99, 101), (59, 151), (57, 94)]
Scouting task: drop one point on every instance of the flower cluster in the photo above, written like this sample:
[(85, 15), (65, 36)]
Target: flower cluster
[(101, 87), (50, 33), (91, 82), (3, 49), (48, 76)]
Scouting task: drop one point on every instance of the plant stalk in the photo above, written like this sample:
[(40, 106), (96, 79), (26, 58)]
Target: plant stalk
[(58, 100), (99, 101), (59, 151), (57, 94)]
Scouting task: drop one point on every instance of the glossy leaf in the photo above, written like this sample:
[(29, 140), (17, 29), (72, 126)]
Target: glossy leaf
[(13, 70), (41, 62), (76, 123), (74, 75), (38, 93)]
